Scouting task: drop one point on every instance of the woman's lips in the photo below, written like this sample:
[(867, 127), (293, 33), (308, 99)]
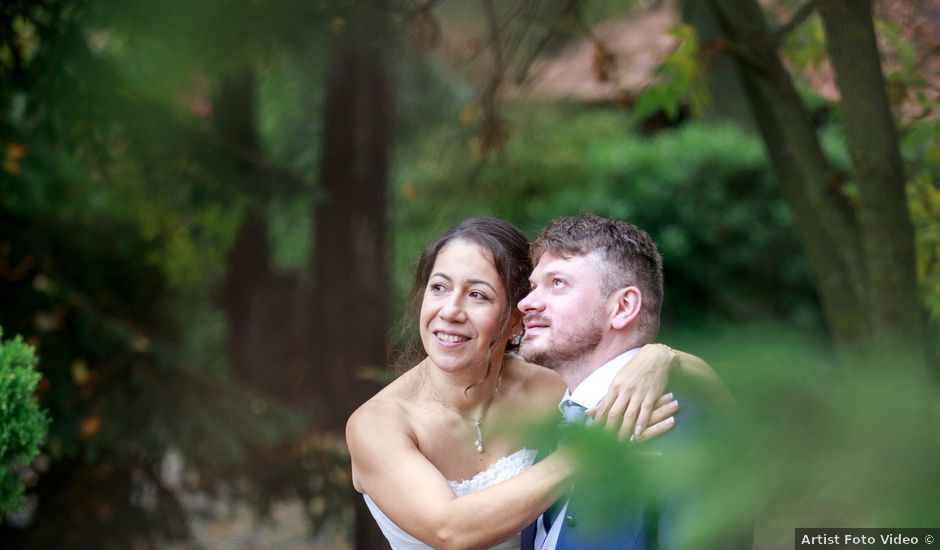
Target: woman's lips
[(450, 339)]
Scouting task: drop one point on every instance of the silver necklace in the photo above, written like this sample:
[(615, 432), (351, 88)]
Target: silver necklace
[(476, 422)]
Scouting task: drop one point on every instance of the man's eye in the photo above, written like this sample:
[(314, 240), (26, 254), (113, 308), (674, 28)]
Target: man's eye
[(557, 283)]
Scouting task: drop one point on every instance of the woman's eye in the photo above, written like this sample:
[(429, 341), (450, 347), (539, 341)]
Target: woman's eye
[(436, 287), (477, 295)]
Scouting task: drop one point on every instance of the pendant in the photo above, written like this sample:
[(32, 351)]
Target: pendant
[(479, 441)]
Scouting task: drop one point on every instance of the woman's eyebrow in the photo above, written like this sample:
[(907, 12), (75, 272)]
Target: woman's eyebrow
[(471, 281), (481, 282)]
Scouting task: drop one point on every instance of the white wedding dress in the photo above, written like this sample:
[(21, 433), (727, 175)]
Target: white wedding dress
[(501, 470)]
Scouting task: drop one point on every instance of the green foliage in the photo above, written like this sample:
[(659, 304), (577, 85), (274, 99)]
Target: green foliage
[(679, 80), (805, 46), (118, 204), (905, 79), (120, 199), (22, 423), (920, 146), (924, 194), (703, 192), (809, 445)]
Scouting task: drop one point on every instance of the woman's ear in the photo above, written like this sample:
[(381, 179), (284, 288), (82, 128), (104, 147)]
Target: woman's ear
[(627, 304), (516, 327)]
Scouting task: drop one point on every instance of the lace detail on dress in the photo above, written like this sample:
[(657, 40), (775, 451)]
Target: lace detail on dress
[(499, 471)]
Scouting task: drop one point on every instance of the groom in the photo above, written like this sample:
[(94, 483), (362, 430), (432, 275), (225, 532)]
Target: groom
[(597, 290)]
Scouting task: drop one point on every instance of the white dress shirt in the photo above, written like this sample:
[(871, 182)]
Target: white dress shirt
[(588, 394)]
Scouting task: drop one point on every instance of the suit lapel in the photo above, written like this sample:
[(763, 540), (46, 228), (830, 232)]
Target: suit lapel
[(528, 535)]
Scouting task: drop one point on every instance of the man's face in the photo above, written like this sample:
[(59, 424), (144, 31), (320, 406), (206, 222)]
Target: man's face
[(565, 312)]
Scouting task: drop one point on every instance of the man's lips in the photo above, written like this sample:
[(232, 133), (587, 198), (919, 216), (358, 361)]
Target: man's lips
[(535, 324)]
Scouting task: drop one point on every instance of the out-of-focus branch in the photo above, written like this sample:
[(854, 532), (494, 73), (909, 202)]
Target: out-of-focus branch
[(801, 15), (495, 44), (522, 70), (528, 12), (491, 128), (415, 9)]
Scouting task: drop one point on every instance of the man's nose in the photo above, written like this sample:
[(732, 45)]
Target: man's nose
[(531, 302)]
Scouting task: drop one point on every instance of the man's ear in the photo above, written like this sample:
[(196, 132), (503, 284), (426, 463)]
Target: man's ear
[(627, 303)]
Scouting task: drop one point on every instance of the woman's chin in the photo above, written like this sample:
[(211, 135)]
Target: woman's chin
[(451, 364)]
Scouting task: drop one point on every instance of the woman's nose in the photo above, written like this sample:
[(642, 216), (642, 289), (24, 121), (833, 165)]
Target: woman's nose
[(452, 310)]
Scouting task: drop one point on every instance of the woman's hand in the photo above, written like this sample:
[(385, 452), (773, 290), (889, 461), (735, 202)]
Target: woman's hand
[(635, 392), (661, 420)]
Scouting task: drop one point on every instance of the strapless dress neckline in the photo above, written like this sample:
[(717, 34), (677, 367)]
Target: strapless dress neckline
[(505, 468)]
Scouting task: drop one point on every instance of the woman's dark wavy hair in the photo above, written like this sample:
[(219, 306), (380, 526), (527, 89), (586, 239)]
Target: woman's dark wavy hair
[(509, 249)]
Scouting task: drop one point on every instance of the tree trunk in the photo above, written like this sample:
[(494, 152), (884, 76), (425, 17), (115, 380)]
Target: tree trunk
[(892, 302), (823, 217), (727, 99), (263, 309), (247, 263), (350, 239), (862, 251), (350, 232)]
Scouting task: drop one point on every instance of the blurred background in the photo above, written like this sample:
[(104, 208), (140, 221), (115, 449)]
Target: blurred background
[(210, 213)]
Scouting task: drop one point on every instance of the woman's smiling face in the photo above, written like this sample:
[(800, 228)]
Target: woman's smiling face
[(463, 308)]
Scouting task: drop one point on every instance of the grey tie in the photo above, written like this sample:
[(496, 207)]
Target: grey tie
[(573, 413)]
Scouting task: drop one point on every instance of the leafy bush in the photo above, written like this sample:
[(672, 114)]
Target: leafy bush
[(22, 423), (808, 445), (703, 192)]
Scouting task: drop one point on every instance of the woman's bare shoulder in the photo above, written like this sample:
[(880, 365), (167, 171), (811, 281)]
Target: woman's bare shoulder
[(536, 381), (385, 413), (533, 373), (533, 399)]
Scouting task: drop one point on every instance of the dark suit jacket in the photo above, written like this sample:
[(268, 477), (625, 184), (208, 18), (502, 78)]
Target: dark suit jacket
[(650, 521)]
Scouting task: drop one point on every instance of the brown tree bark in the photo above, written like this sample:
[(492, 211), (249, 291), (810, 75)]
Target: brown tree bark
[(824, 218), (247, 267), (884, 222), (723, 77), (349, 305), (861, 251), (263, 309), (350, 232)]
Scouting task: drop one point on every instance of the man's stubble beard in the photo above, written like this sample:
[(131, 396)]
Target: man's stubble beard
[(570, 349)]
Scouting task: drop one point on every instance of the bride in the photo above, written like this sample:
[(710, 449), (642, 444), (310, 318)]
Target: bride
[(434, 452)]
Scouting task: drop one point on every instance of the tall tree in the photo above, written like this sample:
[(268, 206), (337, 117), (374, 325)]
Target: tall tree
[(101, 214), (349, 302), (861, 247), (264, 309), (854, 226)]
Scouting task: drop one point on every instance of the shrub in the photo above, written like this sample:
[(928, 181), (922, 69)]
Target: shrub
[(22, 423), (705, 193)]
